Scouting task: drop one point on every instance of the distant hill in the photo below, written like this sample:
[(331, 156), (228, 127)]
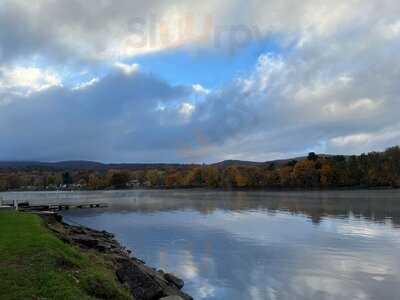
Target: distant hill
[(53, 165), (238, 163), (244, 163), (277, 162), (91, 165), (80, 165)]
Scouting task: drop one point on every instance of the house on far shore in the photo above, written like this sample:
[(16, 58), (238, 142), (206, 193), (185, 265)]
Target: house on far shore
[(133, 183)]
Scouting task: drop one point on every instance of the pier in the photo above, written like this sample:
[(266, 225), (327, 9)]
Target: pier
[(26, 206)]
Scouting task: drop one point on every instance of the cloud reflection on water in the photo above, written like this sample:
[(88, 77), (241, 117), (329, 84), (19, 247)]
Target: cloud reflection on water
[(262, 245)]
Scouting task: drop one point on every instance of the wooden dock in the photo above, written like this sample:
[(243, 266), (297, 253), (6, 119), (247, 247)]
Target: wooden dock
[(5, 207), (26, 206)]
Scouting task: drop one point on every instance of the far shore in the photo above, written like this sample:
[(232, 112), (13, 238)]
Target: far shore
[(280, 189)]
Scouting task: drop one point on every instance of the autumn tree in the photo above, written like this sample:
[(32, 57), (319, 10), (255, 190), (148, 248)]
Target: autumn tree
[(285, 175), (327, 174), (13, 181), (119, 179), (194, 178), (67, 179), (305, 174), (212, 177), (174, 178), (312, 156), (155, 177)]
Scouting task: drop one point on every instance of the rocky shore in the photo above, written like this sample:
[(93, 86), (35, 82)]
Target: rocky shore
[(143, 282)]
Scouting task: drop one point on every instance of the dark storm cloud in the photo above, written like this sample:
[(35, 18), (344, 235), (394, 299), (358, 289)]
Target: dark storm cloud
[(60, 122)]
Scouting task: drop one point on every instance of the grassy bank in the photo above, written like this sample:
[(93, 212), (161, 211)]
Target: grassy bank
[(35, 264)]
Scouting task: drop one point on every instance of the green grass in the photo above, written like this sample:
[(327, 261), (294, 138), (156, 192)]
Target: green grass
[(35, 264)]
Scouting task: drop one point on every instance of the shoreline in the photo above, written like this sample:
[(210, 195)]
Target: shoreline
[(144, 282), (276, 189)]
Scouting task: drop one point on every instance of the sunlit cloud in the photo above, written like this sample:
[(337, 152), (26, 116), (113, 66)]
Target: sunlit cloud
[(127, 69), (87, 84), (26, 80), (198, 88)]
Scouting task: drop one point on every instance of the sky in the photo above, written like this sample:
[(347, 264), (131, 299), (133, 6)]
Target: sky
[(197, 81)]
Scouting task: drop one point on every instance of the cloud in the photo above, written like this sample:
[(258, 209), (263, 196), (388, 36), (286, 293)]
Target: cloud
[(186, 110), (87, 84), (75, 30), (127, 69), (126, 28), (380, 139), (278, 109), (97, 121), (27, 80), (331, 87), (198, 88)]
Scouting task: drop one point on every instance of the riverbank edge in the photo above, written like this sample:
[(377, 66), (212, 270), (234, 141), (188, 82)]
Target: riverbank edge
[(143, 282), (218, 189)]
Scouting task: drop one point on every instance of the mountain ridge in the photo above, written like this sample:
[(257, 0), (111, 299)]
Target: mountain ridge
[(94, 165)]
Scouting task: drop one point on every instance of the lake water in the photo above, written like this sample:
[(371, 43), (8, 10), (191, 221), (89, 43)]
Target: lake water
[(256, 245)]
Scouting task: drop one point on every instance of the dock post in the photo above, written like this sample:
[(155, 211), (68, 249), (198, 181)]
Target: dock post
[(16, 204)]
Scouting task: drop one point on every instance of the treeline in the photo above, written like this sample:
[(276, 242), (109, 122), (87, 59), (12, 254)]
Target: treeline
[(375, 169)]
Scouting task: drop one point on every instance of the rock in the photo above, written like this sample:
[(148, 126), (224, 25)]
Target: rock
[(140, 284), (85, 240), (139, 260), (174, 280), (161, 272), (107, 234), (170, 291), (103, 247), (120, 259), (59, 218), (77, 230), (144, 283)]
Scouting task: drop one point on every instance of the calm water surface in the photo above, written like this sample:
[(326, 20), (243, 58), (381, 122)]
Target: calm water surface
[(256, 245)]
